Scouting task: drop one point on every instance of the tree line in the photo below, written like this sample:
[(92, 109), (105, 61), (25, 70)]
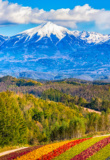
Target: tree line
[(27, 119)]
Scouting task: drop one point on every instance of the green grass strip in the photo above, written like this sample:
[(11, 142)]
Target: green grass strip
[(102, 154), (79, 148)]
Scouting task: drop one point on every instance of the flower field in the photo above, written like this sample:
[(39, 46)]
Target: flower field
[(37, 153), (72, 152), (102, 154), (19, 153), (93, 149), (61, 149), (97, 148)]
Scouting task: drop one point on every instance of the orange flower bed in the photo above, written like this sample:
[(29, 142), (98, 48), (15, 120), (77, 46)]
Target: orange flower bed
[(61, 149), (50, 151), (37, 153), (19, 153)]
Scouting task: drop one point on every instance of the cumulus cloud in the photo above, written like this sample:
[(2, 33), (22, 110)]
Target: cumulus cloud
[(14, 13)]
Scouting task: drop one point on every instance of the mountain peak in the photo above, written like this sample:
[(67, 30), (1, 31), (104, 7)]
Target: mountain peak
[(49, 23), (47, 29)]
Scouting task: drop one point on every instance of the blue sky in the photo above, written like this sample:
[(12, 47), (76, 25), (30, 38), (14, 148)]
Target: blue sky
[(57, 4), (89, 15)]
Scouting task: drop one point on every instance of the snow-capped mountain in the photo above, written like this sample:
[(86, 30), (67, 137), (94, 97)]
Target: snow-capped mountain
[(49, 28), (53, 51), (91, 37), (53, 31), (46, 36), (46, 30)]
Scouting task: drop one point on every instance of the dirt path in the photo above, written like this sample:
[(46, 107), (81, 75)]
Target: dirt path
[(10, 151), (91, 110), (102, 135), (13, 154)]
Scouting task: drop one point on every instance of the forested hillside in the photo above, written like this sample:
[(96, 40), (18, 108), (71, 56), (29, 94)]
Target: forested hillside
[(27, 119), (74, 87), (94, 95)]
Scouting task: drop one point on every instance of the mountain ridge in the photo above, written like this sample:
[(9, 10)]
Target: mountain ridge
[(53, 52), (46, 29)]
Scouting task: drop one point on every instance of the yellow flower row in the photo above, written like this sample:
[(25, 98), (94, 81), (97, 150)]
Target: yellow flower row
[(41, 151)]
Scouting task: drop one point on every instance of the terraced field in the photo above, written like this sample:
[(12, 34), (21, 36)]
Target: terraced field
[(96, 148)]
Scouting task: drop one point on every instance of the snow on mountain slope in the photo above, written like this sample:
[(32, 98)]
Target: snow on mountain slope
[(46, 30), (53, 51), (49, 28), (91, 37)]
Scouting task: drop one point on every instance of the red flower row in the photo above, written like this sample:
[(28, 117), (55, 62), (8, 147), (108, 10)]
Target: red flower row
[(61, 149), (92, 150), (19, 153)]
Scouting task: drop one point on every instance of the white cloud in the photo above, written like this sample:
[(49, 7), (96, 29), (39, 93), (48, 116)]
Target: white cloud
[(14, 13)]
